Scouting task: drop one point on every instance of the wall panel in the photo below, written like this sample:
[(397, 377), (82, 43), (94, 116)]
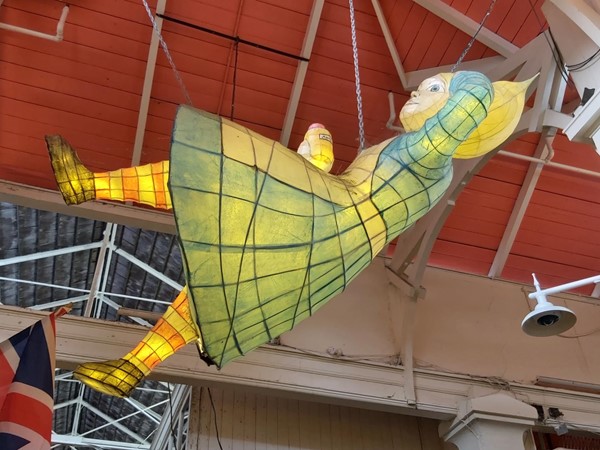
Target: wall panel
[(248, 420)]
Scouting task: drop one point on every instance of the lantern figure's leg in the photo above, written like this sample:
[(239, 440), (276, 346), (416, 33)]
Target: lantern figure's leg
[(142, 184), (119, 377)]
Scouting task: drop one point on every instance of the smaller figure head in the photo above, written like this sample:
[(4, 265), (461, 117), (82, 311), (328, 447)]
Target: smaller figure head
[(426, 101)]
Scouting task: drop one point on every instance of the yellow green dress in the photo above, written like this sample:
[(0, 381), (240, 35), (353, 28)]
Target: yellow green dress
[(268, 238)]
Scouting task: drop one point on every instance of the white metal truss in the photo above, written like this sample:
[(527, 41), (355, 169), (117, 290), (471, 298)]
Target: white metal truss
[(170, 427)]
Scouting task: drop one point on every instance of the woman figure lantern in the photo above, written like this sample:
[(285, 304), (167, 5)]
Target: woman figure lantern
[(276, 235)]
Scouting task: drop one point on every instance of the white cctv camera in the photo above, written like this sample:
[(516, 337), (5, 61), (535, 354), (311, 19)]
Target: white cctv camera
[(547, 319)]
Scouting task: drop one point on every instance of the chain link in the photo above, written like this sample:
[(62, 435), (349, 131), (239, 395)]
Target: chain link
[(470, 43), (163, 44), (361, 125)]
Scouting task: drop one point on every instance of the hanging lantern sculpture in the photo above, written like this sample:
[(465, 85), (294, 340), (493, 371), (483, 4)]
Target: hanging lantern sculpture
[(267, 236)]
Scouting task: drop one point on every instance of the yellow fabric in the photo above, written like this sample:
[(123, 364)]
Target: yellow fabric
[(120, 377), (75, 181), (268, 237), (174, 330), (503, 117), (142, 184)]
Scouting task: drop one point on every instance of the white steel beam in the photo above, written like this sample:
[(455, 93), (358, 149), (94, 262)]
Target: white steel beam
[(307, 45), (49, 254), (161, 276), (47, 200), (112, 422), (79, 441), (469, 26), (180, 397), (100, 265)]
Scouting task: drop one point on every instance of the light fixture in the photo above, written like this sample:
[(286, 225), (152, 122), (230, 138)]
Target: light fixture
[(547, 319)]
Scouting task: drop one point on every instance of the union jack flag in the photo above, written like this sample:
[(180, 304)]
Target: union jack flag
[(27, 386)]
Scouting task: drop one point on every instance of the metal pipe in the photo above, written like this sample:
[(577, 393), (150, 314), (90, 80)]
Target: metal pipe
[(563, 287), (232, 38), (56, 37), (548, 163)]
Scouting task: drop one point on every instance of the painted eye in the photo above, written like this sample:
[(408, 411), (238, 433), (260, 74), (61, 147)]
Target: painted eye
[(435, 88)]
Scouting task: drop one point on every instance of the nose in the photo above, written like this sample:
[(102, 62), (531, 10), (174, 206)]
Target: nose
[(414, 94)]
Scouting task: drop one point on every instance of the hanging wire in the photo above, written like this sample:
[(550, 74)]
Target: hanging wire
[(212, 404), (163, 44), (361, 125), (235, 71), (470, 43)]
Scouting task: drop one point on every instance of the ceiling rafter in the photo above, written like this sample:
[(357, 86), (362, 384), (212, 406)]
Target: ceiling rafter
[(140, 130), (307, 46), (469, 26), (522, 202)]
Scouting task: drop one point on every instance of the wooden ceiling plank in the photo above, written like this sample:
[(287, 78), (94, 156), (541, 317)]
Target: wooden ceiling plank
[(140, 130), (469, 26), (521, 204), (307, 47)]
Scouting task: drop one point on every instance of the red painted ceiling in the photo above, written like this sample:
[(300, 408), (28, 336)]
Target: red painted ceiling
[(88, 88)]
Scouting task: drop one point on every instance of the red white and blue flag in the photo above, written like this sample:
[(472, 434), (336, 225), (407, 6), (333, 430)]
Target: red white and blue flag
[(27, 386)]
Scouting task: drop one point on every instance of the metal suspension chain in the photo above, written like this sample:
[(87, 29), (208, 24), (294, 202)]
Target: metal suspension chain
[(361, 125), (470, 43), (163, 44)]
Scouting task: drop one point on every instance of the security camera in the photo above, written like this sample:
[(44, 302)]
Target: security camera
[(548, 320)]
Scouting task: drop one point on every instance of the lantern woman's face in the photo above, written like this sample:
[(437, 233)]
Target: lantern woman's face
[(425, 102)]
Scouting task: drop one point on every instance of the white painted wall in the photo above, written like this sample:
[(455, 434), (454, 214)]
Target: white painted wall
[(247, 420), (465, 324)]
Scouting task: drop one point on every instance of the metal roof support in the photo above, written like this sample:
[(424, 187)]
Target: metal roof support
[(140, 130), (307, 46), (49, 253), (162, 277), (180, 397), (80, 441), (100, 272), (115, 422)]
